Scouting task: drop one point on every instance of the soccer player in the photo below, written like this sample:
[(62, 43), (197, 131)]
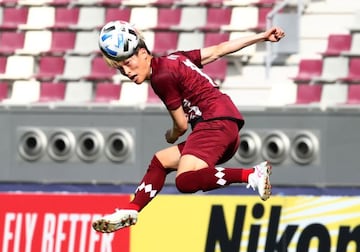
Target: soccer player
[(191, 97)]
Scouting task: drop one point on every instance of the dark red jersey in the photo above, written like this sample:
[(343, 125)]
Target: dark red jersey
[(178, 81)]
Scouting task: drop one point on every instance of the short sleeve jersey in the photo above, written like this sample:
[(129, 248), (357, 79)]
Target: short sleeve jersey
[(179, 81)]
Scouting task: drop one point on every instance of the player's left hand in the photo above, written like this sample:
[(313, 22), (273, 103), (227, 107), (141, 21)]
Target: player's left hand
[(274, 34), (170, 138)]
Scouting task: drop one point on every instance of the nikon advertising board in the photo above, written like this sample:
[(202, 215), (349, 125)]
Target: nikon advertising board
[(177, 223)]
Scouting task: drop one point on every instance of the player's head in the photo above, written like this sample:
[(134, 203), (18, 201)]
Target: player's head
[(119, 42)]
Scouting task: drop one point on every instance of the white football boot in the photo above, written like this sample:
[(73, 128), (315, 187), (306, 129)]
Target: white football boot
[(260, 180), (120, 219)]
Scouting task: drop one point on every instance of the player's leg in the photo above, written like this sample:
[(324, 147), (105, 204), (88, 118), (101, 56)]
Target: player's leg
[(162, 163), (208, 144)]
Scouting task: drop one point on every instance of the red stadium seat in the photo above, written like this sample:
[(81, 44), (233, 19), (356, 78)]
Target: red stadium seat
[(3, 64), (100, 70), (50, 67), (61, 42), (65, 17), (337, 43), (216, 17), (353, 96), (52, 91), (307, 93), (112, 14), (167, 17), (107, 92), (13, 17), (354, 71), (308, 68), (4, 90), (10, 41), (165, 42)]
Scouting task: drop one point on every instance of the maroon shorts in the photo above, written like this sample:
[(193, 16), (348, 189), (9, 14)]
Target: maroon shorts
[(215, 142)]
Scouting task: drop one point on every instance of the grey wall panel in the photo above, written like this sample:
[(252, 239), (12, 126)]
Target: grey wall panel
[(336, 160)]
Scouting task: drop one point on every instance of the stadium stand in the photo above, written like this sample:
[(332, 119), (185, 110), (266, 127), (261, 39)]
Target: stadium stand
[(33, 29)]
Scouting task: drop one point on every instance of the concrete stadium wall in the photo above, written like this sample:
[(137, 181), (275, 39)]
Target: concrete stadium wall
[(100, 144)]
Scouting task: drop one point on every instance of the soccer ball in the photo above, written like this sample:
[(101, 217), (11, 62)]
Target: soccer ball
[(118, 40)]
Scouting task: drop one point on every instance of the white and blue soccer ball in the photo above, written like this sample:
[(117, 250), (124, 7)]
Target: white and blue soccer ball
[(118, 40)]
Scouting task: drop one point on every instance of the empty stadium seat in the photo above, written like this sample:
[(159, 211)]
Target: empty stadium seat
[(100, 71), (90, 18), (107, 92), (14, 72), (49, 67), (354, 50), (333, 69), (36, 42), (52, 91), (337, 43), (141, 23), (113, 13), (215, 18), (353, 96), (307, 93), (132, 94), (13, 17), (65, 17), (133, 3), (78, 92), (242, 19), (167, 17), (353, 75), (3, 60), (24, 92), (61, 42), (76, 67), (188, 22), (333, 94), (190, 40), (86, 43), (308, 69), (165, 42), (10, 41), (110, 3), (4, 90), (39, 17)]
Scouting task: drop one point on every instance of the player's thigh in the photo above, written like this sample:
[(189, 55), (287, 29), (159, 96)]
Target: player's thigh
[(169, 157)]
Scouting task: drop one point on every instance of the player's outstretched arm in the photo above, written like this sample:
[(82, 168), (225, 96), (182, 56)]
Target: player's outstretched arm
[(212, 53)]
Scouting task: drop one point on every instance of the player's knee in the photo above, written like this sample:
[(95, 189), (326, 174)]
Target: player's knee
[(185, 183)]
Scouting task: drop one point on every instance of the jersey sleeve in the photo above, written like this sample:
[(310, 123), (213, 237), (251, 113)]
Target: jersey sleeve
[(194, 56)]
